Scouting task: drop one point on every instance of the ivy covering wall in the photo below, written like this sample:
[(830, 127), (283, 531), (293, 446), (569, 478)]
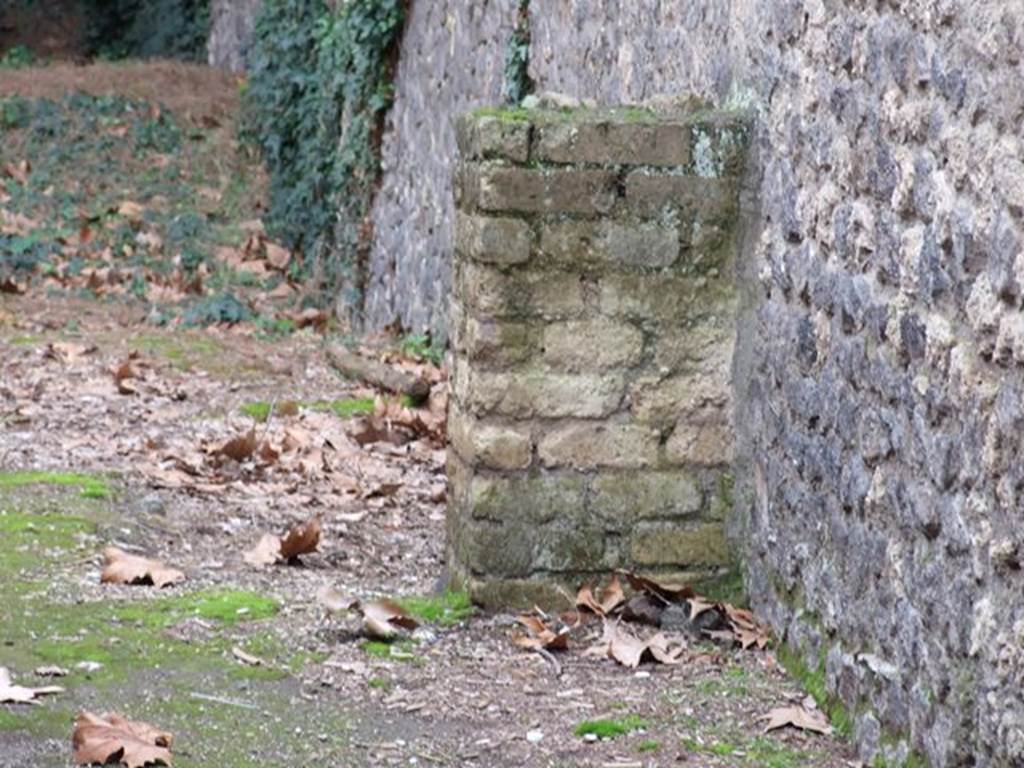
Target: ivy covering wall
[(320, 82)]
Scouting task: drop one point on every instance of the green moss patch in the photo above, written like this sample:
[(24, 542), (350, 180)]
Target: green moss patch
[(813, 681), (447, 609), (345, 408), (91, 487), (402, 650), (228, 607), (611, 728)]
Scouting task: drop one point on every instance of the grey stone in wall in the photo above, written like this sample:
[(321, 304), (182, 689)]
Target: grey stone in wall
[(452, 58), (231, 27), (627, 51)]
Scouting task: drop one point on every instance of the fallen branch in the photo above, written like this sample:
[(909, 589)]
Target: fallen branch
[(380, 375)]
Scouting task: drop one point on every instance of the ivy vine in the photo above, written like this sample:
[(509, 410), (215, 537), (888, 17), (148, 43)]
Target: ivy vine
[(517, 84), (320, 83)]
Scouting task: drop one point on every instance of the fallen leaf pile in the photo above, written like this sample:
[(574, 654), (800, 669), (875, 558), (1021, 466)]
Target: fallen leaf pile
[(17, 694), (398, 424), (676, 610), (122, 568), (299, 540), (112, 738)]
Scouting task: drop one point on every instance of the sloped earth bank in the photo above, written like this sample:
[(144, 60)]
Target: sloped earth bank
[(87, 461)]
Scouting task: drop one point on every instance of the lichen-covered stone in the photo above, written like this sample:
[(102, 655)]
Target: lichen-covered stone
[(663, 545), (493, 240), (496, 446), (591, 345), (609, 142), (531, 394), (593, 445), (622, 498), (651, 244)]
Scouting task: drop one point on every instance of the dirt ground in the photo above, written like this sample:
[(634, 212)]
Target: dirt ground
[(243, 664)]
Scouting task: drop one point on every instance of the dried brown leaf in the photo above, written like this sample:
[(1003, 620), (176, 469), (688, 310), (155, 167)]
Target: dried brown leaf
[(277, 256), (383, 619), (612, 597), (540, 636), (68, 351), (240, 448), (111, 737), (302, 539), (122, 568), (266, 552), (798, 717), (671, 593), (17, 694)]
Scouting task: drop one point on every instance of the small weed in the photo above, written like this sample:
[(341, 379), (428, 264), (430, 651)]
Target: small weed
[(420, 347), (609, 729), (446, 610), (91, 487), (259, 410), (346, 408), (648, 745), (379, 683)]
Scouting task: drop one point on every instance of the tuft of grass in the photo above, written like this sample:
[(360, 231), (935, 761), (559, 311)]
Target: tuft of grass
[(258, 410), (648, 745), (610, 729), (379, 683), (447, 609), (91, 487)]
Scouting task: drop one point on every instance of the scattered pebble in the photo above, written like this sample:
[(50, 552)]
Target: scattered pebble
[(535, 737)]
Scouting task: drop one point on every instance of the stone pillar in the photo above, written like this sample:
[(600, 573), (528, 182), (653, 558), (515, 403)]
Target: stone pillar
[(593, 323)]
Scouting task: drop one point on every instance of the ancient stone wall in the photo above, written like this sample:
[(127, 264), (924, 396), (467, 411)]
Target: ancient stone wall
[(884, 420), (593, 327), (451, 60), (231, 27)]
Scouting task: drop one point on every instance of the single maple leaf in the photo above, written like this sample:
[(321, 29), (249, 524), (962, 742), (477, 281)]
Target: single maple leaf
[(112, 737), (541, 635), (669, 593), (383, 619), (302, 539), (629, 650), (240, 448), (17, 694), (799, 717), (266, 552), (277, 256), (625, 647), (122, 568), (611, 598)]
